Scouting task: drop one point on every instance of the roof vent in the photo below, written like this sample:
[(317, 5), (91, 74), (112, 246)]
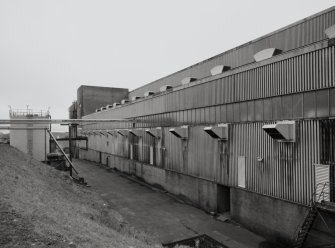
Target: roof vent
[(124, 101), (218, 132), (154, 132), (148, 93), (123, 132), (116, 104), (165, 88), (330, 32), (266, 54), (219, 69), (137, 132), (283, 131), (134, 98), (188, 80), (180, 132)]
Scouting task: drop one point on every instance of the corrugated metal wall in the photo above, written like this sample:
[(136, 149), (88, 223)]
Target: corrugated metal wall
[(328, 142), (304, 72), (286, 170), (307, 31), (298, 85), (117, 145)]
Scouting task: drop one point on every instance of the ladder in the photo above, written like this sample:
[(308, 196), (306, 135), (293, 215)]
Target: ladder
[(305, 227), (319, 196)]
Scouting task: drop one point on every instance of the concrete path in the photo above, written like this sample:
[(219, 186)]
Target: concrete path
[(159, 214)]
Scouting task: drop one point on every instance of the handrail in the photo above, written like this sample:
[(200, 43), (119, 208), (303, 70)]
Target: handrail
[(316, 197), (61, 121), (323, 192)]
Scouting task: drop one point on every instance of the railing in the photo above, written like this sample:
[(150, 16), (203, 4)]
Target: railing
[(28, 112), (324, 192)]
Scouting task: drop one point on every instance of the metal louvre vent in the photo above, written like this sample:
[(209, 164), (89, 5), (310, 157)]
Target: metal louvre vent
[(218, 132), (123, 132), (322, 177), (273, 132), (281, 131), (137, 132), (154, 132), (112, 132), (180, 132)]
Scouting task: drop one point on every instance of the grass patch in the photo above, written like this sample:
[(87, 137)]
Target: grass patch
[(57, 211)]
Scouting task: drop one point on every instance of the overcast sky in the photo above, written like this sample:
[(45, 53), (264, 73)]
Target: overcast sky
[(48, 48)]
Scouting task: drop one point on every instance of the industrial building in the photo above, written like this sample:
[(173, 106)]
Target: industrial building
[(250, 131), (29, 137), (91, 97)]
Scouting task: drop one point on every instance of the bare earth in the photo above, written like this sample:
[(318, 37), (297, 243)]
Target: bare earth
[(42, 207)]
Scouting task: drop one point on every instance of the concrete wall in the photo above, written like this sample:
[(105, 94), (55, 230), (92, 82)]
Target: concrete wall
[(271, 217), (201, 193), (279, 220), (89, 98), (320, 233), (33, 142), (73, 110), (19, 140)]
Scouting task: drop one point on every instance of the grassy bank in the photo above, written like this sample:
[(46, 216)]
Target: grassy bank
[(42, 207)]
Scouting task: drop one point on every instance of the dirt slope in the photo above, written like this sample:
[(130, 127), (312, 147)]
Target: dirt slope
[(42, 207)]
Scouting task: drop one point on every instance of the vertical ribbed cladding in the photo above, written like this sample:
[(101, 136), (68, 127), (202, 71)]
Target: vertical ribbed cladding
[(327, 142), (305, 72), (280, 169), (287, 170), (301, 34), (332, 67), (147, 141), (173, 151)]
